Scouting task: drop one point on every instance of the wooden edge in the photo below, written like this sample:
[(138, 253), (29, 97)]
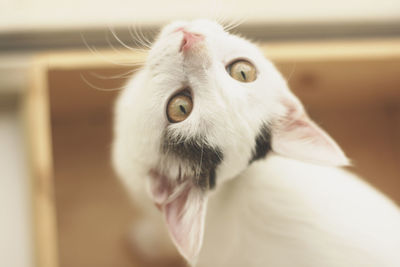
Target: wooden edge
[(36, 117), (93, 59), (37, 113), (332, 50), (278, 52)]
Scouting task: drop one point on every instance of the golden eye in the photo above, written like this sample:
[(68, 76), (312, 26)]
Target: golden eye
[(243, 71), (179, 107)]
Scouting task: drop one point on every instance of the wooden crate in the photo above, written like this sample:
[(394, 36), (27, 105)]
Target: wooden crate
[(82, 213)]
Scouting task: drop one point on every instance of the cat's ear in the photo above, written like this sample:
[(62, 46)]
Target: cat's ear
[(295, 135), (184, 208)]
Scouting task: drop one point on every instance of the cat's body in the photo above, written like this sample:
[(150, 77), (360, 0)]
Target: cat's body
[(209, 133), (282, 212)]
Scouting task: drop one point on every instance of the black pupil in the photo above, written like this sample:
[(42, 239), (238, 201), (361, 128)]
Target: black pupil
[(243, 75), (182, 108)]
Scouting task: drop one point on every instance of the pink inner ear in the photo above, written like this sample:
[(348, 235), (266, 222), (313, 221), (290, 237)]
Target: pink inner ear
[(297, 136), (184, 208)]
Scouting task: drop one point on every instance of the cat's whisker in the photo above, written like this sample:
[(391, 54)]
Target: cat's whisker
[(96, 52), (119, 76), (214, 10), (135, 38), (219, 17), (139, 39), (229, 24), (235, 23), (139, 46), (120, 41), (222, 20), (144, 38), (111, 45), (93, 50), (99, 88), (292, 72)]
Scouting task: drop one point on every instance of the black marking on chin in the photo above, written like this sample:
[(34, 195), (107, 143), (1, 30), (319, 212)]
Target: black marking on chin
[(263, 144), (212, 178), (202, 158)]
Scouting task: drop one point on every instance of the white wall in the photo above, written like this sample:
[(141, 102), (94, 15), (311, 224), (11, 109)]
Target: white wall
[(36, 14), (15, 214)]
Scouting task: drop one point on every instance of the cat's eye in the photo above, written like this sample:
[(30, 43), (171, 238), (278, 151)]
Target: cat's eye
[(242, 70), (179, 107)]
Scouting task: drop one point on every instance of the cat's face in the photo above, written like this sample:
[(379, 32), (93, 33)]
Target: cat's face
[(227, 115), (205, 106)]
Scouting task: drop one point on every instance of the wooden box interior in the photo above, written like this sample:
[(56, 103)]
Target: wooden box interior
[(350, 88)]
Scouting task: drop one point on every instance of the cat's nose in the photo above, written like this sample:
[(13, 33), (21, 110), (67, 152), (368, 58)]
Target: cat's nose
[(189, 39)]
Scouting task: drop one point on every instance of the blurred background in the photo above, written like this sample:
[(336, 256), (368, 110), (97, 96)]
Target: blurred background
[(60, 203)]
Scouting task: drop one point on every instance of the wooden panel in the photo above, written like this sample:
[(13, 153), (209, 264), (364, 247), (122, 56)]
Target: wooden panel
[(369, 138), (350, 88), (73, 96), (94, 213), (347, 84)]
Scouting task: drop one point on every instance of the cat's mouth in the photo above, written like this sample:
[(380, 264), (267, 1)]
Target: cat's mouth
[(188, 163), (183, 206), (179, 188), (164, 189)]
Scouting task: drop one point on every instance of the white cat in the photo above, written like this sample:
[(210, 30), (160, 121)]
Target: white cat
[(209, 133)]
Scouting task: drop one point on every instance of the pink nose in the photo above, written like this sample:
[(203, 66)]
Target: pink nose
[(189, 39)]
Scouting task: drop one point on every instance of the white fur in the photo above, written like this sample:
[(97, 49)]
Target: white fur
[(275, 212), (283, 212)]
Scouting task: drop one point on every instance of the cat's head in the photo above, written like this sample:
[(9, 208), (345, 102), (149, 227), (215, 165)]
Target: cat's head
[(203, 108)]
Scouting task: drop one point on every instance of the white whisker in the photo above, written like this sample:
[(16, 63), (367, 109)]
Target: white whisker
[(95, 51), (292, 71), (138, 38), (234, 24), (119, 76), (99, 88), (111, 45), (120, 41), (144, 38), (139, 46)]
